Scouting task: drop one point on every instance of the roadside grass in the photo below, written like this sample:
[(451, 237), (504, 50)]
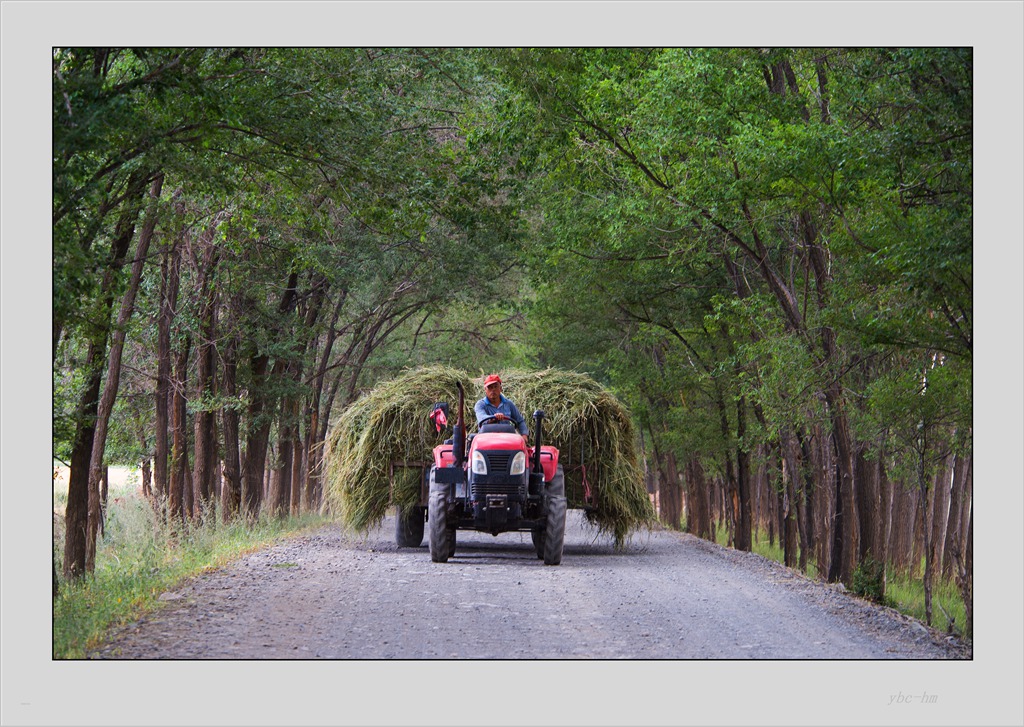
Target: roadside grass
[(902, 592), (139, 557), (906, 595)]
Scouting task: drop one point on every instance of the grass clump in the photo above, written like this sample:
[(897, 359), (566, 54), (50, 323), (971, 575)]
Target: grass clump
[(140, 557), (906, 595), (869, 581), (593, 431)]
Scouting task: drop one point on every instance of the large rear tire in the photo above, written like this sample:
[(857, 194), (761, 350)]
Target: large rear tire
[(553, 540), (409, 524), (437, 522)]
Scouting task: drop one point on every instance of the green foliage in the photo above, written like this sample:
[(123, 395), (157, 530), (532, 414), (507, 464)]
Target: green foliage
[(869, 581)]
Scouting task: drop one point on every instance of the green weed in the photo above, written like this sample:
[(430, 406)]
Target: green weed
[(907, 596), (869, 581)]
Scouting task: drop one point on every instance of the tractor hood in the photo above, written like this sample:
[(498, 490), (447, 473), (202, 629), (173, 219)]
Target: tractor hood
[(498, 440)]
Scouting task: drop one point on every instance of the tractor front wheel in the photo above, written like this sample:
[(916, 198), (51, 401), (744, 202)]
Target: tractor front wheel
[(438, 539), (553, 537)]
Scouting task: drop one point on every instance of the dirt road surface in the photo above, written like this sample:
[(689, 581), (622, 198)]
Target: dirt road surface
[(667, 595)]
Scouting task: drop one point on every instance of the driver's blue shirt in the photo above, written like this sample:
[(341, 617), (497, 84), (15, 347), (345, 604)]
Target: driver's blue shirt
[(485, 409)]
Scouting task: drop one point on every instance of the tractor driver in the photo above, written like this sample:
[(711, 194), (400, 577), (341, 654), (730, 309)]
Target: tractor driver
[(495, 405)]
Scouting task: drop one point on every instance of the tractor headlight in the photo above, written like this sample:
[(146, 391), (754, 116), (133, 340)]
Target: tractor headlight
[(519, 463), (479, 463)]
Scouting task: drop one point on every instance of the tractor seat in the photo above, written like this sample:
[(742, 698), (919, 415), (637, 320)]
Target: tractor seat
[(499, 427)]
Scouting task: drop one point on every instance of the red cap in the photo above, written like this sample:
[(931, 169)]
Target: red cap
[(492, 379)]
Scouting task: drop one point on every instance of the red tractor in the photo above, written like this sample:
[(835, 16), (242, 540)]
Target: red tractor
[(499, 485)]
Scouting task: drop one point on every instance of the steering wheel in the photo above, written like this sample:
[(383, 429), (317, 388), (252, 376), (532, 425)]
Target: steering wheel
[(495, 420)]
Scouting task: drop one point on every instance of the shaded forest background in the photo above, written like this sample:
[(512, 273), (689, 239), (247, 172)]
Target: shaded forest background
[(766, 253)]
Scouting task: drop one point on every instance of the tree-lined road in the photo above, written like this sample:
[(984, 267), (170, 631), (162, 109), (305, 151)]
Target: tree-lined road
[(667, 595)]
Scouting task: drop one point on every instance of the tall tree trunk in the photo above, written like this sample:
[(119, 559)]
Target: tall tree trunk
[(297, 457), (147, 479), (231, 497), (793, 475), (204, 434), (281, 480), (178, 508), (744, 539), (310, 460), (953, 519), (940, 511), (870, 507), (698, 521), (104, 491), (885, 519), (825, 498), (847, 517), (113, 382), (77, 512), (790, 521), (169, 282), (920, 515), (255, 460), (906, 530), (805, 467), (205, 440), (257, 440), (840, 542), (965, 573), (928, 496), (669, 493)]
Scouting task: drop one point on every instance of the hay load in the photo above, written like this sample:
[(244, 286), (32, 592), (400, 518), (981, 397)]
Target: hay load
[(389, 425)]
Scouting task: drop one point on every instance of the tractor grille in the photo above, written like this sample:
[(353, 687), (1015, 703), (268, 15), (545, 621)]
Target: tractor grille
[(497, 462), (481, 489), (498, 481)]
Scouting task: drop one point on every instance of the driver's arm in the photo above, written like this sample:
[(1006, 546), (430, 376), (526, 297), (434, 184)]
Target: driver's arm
[(480, 411), (519, 420)]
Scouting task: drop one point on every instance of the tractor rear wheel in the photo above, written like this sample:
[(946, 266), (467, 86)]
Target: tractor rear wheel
[(554, 531), (409, 527), (438, 540)]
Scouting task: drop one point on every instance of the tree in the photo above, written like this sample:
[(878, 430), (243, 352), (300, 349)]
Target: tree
[(776, 163)]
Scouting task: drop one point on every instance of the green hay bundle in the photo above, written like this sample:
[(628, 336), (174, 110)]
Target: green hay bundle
[(390, 424)]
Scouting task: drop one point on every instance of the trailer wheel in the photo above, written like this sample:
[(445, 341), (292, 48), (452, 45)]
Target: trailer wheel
[(555, 507), (409, 527), (437, 522)]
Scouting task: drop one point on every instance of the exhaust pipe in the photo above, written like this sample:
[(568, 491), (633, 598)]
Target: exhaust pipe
[(459, 430), (537, 417)]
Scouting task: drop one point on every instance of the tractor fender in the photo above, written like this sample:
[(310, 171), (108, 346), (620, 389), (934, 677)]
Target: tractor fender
[(444, 455), (548, 461)]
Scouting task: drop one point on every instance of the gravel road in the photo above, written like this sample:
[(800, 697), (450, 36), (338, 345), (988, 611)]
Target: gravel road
[(667, 595)]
